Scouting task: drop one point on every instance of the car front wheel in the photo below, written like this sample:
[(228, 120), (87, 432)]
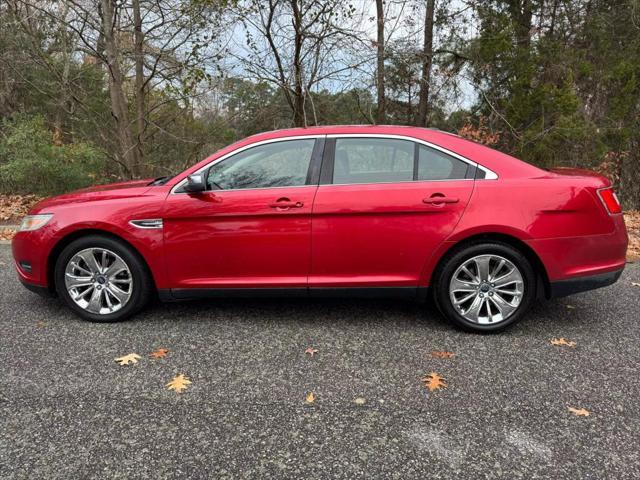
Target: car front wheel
[(102, 279), (485, 287)]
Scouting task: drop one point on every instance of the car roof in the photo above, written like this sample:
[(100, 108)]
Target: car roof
[(504, 165)]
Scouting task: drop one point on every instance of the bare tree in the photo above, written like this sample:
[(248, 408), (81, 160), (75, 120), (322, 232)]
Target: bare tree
[(143, 46), (296, 45), (119, 105), (380, 57), (427, 62)]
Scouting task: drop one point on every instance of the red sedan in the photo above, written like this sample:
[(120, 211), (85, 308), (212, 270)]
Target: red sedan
[(366, 211)]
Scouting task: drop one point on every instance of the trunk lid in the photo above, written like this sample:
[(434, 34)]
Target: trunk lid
[(600, 181)]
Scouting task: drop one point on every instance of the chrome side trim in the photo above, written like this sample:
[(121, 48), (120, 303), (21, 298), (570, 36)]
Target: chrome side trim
[(395, 183), (147, 223), (489, 174)]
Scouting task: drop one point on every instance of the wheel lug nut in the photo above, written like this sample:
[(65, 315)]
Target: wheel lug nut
[(491, 294), (481, 295)]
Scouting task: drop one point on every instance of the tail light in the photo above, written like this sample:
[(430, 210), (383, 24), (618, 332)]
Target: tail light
[(610, 200)]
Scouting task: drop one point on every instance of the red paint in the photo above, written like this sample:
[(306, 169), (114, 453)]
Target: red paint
[(380, 234), (342, 235), (236, 238)]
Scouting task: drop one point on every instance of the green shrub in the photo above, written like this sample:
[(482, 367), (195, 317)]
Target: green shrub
[(30, 163)]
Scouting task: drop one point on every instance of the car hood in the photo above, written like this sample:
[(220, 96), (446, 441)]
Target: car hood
[(134, 188)]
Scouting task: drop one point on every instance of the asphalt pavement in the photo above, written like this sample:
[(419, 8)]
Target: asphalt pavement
[(68, 410)]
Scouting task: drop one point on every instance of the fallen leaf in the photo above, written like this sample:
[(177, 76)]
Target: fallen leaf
[(570, 307), (561, 341), (635, 284), (41, 324), (160, 353), (442, 354), (310, 398), (16, 206), (433, 381), (311, 351), (360, 401), (127, 359), (579, 412), (179, 383), (7, 233)]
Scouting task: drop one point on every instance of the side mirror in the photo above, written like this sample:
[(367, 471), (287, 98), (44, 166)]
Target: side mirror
[(195, 183)]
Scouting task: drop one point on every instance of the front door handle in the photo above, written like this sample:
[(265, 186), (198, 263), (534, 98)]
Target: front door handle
[(440, 200), (285, 204)]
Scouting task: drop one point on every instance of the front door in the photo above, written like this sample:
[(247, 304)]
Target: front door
[(384, 207), (251, 228)]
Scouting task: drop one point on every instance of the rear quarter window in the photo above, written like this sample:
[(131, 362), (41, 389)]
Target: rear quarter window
[(436, 165)]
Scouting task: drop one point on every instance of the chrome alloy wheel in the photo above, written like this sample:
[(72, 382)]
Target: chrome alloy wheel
[(98, 281), (486, 289)]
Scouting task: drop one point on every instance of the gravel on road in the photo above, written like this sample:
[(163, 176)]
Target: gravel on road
[(68, 410)]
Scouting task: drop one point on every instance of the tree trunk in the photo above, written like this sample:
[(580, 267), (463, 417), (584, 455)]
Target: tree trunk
[(63, 100), (140, 94), (119, 107), (521, 12), (427, 63), (299, 117), (381, 112)]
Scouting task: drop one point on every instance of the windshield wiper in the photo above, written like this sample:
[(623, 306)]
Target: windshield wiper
[(161, 180)]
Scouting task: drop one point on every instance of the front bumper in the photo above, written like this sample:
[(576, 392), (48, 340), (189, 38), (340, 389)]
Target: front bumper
[(39, 289), (562, 288), (30, 252)]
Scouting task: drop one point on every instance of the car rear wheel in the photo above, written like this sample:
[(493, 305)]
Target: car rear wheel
[(485, 287), (102, 279)]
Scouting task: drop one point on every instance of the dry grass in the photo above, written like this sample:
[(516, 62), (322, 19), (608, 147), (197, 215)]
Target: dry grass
[(14, 207)]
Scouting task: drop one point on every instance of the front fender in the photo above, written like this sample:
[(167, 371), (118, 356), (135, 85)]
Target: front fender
[(147, 242)]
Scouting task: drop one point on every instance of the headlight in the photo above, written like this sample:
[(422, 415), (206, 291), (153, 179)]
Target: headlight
[(34, 222)]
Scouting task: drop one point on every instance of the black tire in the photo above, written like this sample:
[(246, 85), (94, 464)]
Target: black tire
[(456, 258), (142, 283)]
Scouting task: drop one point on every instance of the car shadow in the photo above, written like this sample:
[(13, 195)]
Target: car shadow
[(300, 311)]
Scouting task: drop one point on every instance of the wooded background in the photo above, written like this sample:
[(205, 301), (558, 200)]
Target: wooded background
[(97, 90)]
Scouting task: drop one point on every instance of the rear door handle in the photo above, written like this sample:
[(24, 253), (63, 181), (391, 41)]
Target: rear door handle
[(440, 200)]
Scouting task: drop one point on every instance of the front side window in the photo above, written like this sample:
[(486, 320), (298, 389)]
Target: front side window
[(278, 164), (373, 160)]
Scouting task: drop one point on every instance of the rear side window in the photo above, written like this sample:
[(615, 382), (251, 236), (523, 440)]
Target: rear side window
[(436, 165), (373, 160), (278, 164)]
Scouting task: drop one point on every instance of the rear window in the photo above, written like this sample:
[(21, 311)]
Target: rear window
[(390, 160), (373, 160)]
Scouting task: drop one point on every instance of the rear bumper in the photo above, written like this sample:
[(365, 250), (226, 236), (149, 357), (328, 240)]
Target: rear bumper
[(562, 288), (576, 258)]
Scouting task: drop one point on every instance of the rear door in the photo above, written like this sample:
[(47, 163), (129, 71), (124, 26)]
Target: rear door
[(383, 206)]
